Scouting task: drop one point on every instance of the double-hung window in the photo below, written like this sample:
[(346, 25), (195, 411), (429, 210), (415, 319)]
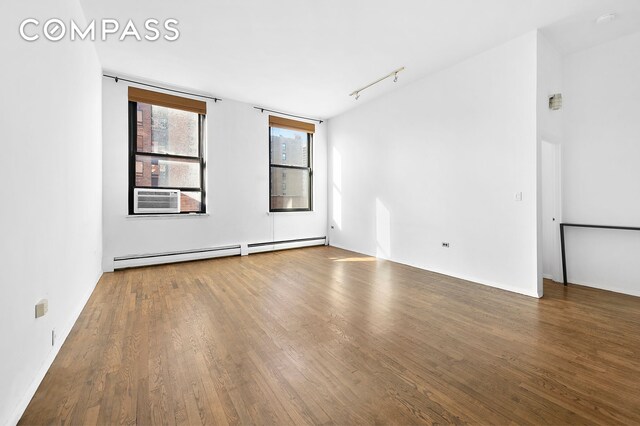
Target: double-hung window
[(166, 149), (290, 165)]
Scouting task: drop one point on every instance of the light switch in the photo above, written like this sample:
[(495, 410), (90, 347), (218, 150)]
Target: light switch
[(518, 196)]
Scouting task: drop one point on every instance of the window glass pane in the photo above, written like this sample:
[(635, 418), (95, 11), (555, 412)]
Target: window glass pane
[(190, 201), (289, 147), (163, 172), (166, 130), (289, 188)]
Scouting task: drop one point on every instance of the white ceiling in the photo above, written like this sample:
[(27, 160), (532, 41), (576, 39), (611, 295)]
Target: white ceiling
[(305, 57), (581, 31)]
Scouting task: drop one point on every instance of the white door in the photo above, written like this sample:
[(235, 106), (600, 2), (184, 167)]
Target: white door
[(551, 211)]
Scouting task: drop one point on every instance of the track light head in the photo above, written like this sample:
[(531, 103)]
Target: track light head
[(395, 78), (357, 95)]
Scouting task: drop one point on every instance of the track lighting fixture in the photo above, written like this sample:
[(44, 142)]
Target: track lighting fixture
[(356, 93)]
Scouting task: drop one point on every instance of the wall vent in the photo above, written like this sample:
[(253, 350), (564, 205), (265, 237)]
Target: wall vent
[(156, 200)]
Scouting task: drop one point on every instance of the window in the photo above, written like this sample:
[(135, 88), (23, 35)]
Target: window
[(290, 164), (166, 146)]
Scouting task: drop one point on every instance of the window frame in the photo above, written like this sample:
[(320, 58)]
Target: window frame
[(309, 169), (133, 152)]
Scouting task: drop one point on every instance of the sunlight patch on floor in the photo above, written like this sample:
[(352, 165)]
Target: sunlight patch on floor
[(356, 259)]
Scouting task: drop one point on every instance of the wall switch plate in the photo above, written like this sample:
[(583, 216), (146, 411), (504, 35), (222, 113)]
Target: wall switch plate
[(42, 307), (53, 337), (518, 196), (445, 245)]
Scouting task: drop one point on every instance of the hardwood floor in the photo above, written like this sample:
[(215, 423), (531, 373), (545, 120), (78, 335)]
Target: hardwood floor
[(322, 335)]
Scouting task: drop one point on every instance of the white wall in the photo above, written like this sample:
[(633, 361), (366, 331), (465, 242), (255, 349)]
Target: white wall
[(601, 169), (549, 123), (441, 160), (237, 186), (50, 244)]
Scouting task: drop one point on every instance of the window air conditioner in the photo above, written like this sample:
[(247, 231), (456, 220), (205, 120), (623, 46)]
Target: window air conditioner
[(156, 200)]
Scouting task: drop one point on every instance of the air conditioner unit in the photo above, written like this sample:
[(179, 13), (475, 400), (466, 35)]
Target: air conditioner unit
[(156, 200)]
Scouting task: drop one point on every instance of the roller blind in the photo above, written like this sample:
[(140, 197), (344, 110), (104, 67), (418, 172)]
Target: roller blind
[(287, 123), (169, 101)]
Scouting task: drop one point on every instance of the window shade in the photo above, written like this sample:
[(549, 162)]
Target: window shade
[(169, 101), (286, 123)]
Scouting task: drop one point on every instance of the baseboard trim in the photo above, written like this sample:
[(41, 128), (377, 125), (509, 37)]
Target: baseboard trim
[(458, 276), (614, 289), (62, 334)]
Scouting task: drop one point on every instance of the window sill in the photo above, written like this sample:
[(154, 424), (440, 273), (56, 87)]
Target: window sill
[(292, 212), (167, 216)]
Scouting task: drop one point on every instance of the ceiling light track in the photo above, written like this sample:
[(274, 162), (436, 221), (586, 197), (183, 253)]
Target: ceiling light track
[(606, 18), (289, 115), (394, 73)]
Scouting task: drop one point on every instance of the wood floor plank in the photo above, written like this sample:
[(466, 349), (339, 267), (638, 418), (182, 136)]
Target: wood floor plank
[(326, 336)]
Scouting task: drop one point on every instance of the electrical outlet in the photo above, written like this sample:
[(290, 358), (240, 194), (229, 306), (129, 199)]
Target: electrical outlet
[(53, 337), (445, 245)]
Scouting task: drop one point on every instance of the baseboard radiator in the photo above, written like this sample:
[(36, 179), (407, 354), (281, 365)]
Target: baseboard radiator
[(132, 261), (136, 260), (286, 244)]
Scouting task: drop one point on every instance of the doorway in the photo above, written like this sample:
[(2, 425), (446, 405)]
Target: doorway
[(551, 210)]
